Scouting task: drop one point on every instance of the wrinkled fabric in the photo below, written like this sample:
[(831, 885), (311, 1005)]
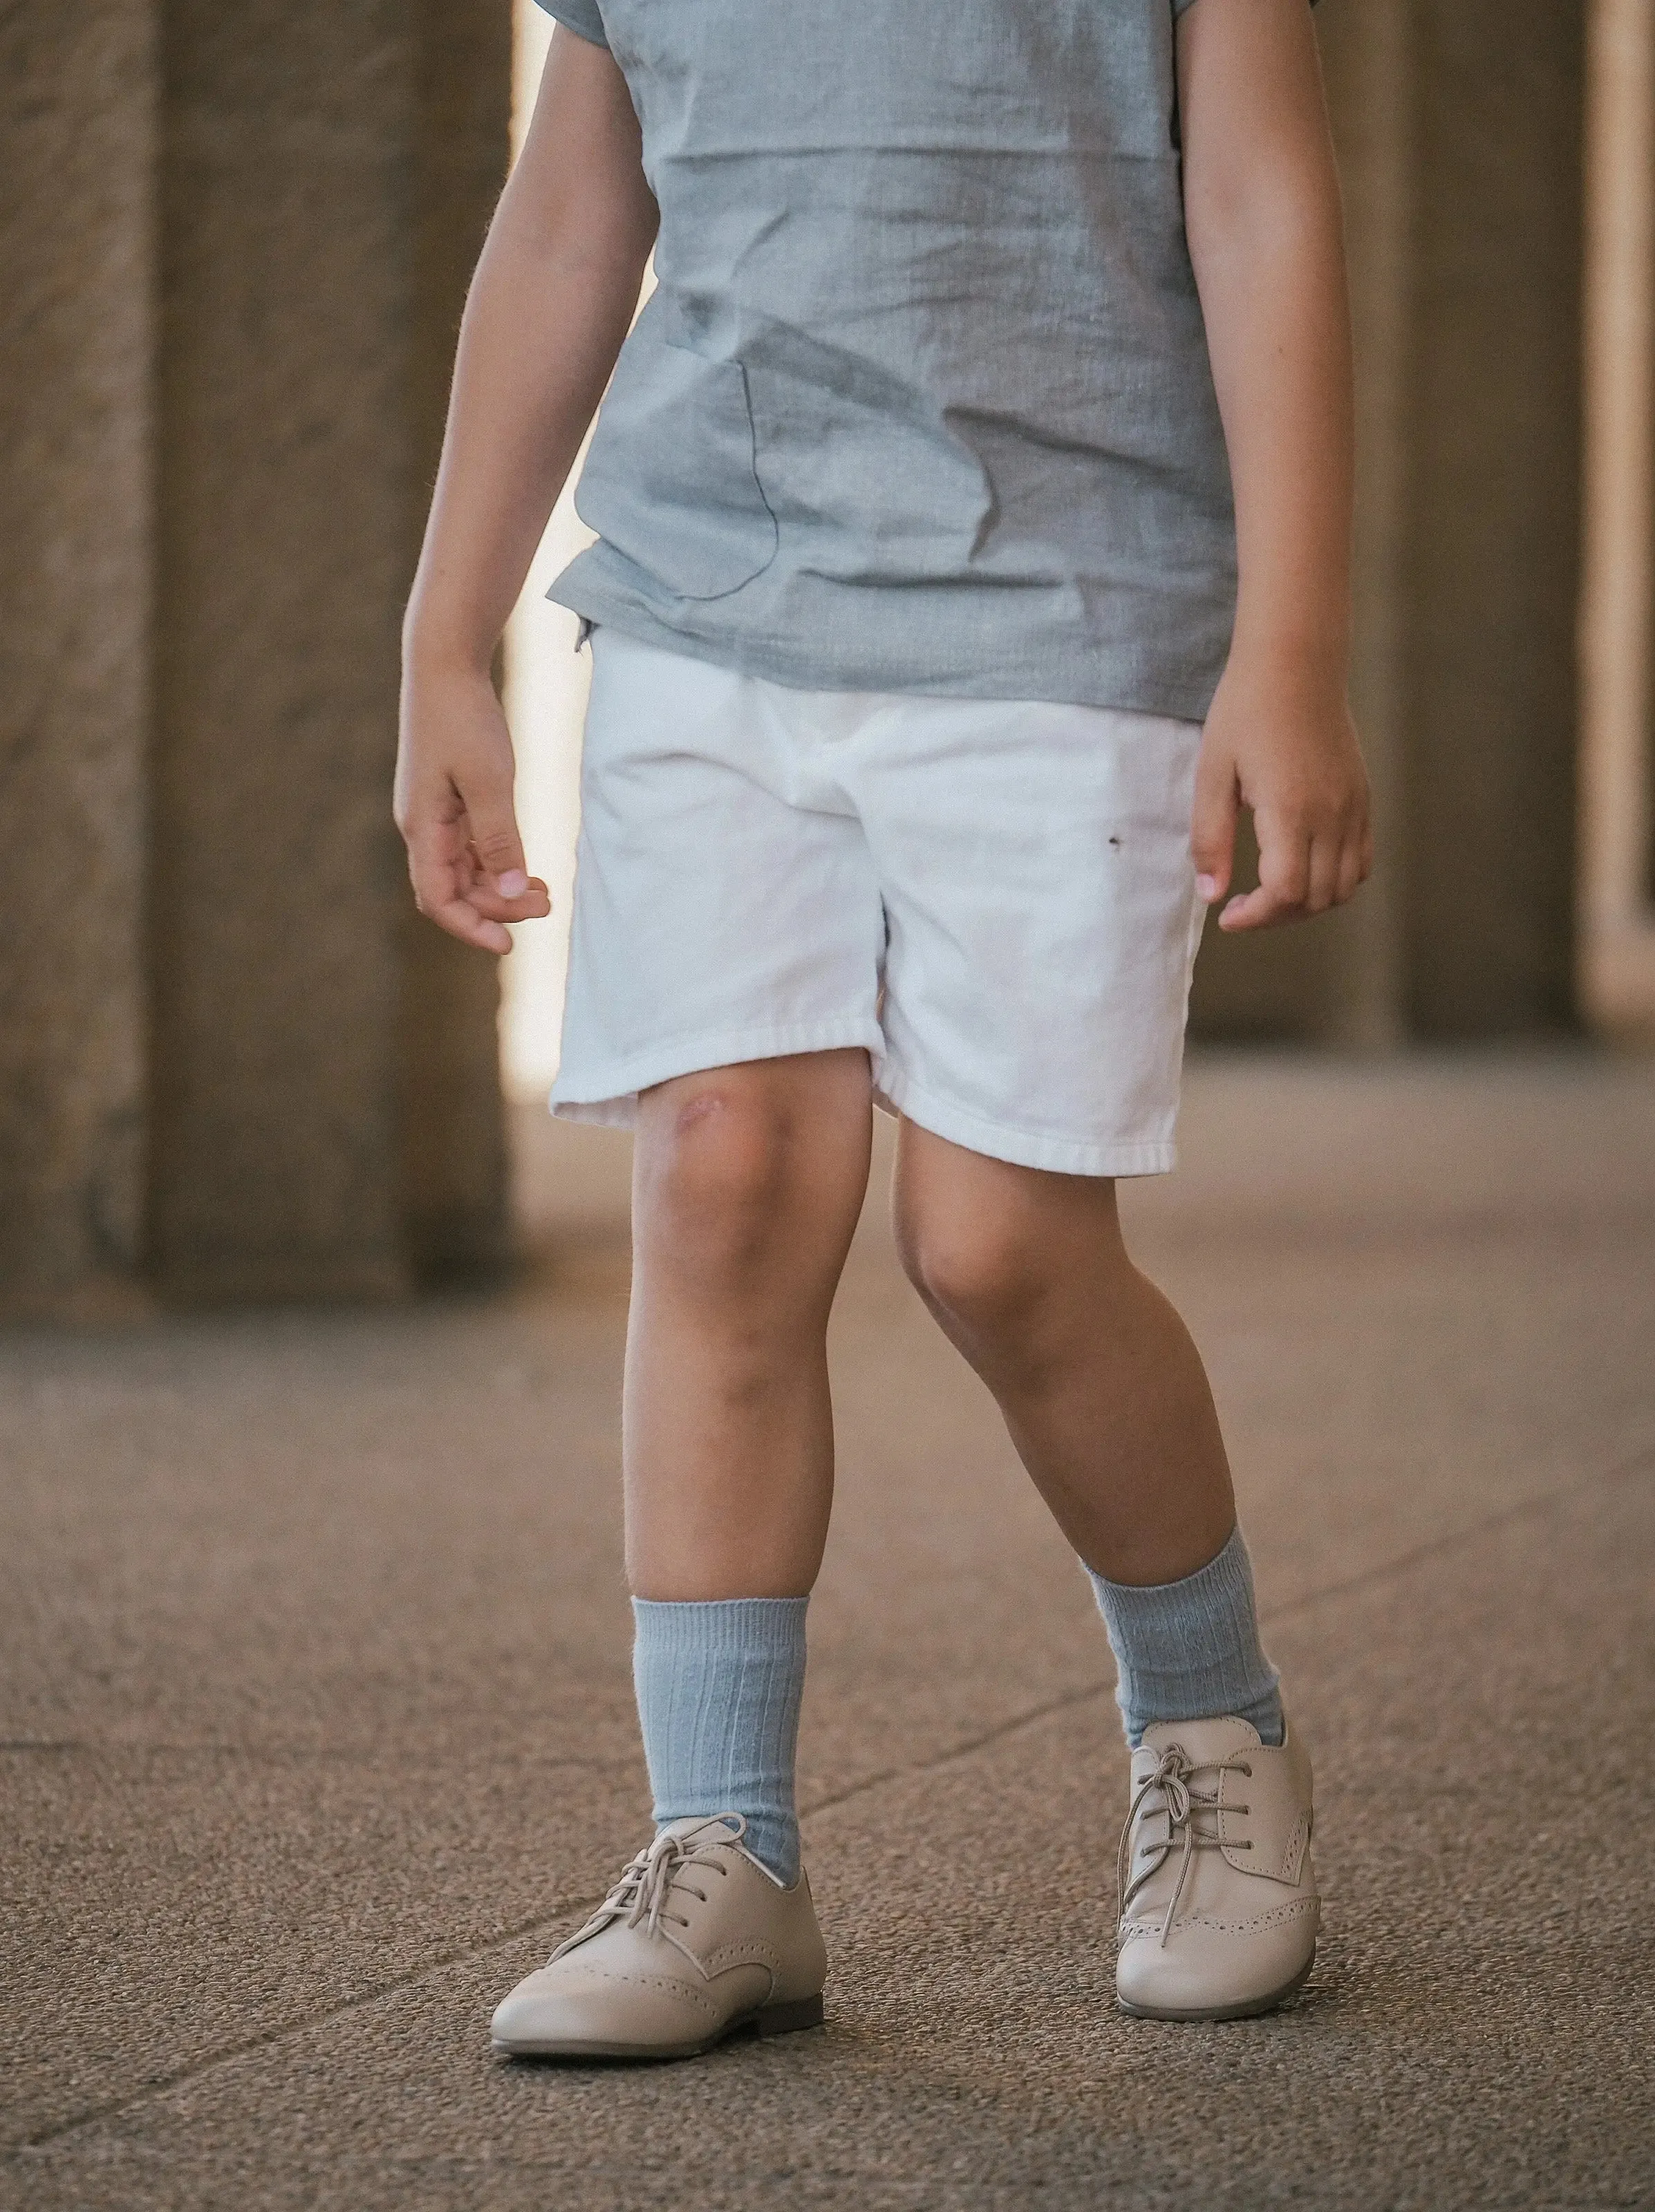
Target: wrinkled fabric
[(1189, 1651), (923, 399), (719, 1685), (992, 898)]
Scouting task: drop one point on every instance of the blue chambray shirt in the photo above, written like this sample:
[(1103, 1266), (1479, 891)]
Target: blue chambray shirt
[(923, 402)]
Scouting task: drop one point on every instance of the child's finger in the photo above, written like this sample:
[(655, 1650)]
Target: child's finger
[(461, 920), (1255, 910), (1283, 884), (495, 838), (439, 901), (1353, 871), (1213, 824), (430, 865), (532, 904), (437, 870), (1322, 886)]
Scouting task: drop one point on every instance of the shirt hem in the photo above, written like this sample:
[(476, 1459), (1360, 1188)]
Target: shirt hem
[(1100, 680)]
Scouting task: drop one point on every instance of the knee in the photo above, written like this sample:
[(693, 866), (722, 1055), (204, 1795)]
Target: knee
[(1020, 1270), (984, 1277), (721, 1163), (714, 1160)]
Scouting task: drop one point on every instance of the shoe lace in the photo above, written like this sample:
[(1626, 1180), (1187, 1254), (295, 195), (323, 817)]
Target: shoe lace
[(642, 1897), (1192, 1823)]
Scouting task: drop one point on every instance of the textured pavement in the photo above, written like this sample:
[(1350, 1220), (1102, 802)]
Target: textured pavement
[(316, 1724)]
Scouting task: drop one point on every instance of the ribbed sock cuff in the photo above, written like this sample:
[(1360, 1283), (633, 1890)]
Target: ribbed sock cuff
[(719, 1685), (1189, 1651)]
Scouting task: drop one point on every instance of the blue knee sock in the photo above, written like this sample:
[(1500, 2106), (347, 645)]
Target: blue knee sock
[(1189, 1651), (719, 1685)]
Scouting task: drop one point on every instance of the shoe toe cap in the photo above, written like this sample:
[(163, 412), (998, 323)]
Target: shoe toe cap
[(536, 2011), (1207, 1966), (562, 2011)]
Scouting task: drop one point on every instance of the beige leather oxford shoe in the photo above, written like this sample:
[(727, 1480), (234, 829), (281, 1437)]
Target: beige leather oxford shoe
[(695, 1941), (1219, 1909)]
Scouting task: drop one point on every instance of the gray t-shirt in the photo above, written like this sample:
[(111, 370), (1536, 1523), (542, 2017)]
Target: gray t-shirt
[(922, 401)]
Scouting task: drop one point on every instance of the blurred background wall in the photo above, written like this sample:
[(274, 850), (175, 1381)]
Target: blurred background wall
[(234, 245), (234, 249)]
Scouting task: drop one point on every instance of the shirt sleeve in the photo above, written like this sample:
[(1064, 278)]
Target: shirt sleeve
[(582, 16)]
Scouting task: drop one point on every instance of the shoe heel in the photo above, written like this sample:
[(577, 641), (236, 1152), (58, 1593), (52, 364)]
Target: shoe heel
[(782, 2019)]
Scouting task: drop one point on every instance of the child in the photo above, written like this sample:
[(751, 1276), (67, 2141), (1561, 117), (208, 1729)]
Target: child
[(974, 499)]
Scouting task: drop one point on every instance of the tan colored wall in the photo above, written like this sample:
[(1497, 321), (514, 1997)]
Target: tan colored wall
[(241, 268), (453, 1164), (77, 108), (287, 305), (1493, 582), (1615, 895), (1459, 132)]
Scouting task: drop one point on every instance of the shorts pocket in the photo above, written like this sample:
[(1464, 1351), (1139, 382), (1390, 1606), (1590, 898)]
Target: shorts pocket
[(671, 481)]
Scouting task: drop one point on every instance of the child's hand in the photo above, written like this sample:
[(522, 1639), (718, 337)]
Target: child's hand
[(454, 806), (1284, 744)]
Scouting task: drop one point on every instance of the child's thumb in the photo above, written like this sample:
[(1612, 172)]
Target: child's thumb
[(1213, 826), (496, 844)]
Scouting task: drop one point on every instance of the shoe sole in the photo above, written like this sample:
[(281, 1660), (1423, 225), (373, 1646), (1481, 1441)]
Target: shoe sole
[(1250, 2010), (773, 2020)]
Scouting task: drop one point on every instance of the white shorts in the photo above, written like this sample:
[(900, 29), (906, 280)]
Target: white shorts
[(994, 897)]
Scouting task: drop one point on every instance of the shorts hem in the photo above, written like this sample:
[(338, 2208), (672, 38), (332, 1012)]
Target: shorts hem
[(611, 1096), (1023, 1148)]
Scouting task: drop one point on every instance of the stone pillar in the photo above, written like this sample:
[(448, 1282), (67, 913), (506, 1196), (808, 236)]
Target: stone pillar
[(325, 1105), (1616, 891), (1460, 137), (78, 98), (453, 1162), (1491, 596)]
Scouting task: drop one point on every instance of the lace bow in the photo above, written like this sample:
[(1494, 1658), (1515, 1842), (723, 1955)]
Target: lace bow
[(643, 1894)]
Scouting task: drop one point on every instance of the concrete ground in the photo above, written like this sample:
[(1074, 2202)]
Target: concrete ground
[(317, 1729)]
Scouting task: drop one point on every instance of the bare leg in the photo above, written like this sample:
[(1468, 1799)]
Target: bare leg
[(1102, 1387), (748, 1185)]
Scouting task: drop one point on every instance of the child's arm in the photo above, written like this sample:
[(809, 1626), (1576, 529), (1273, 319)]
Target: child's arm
[(1262, 215), (552, 300)]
